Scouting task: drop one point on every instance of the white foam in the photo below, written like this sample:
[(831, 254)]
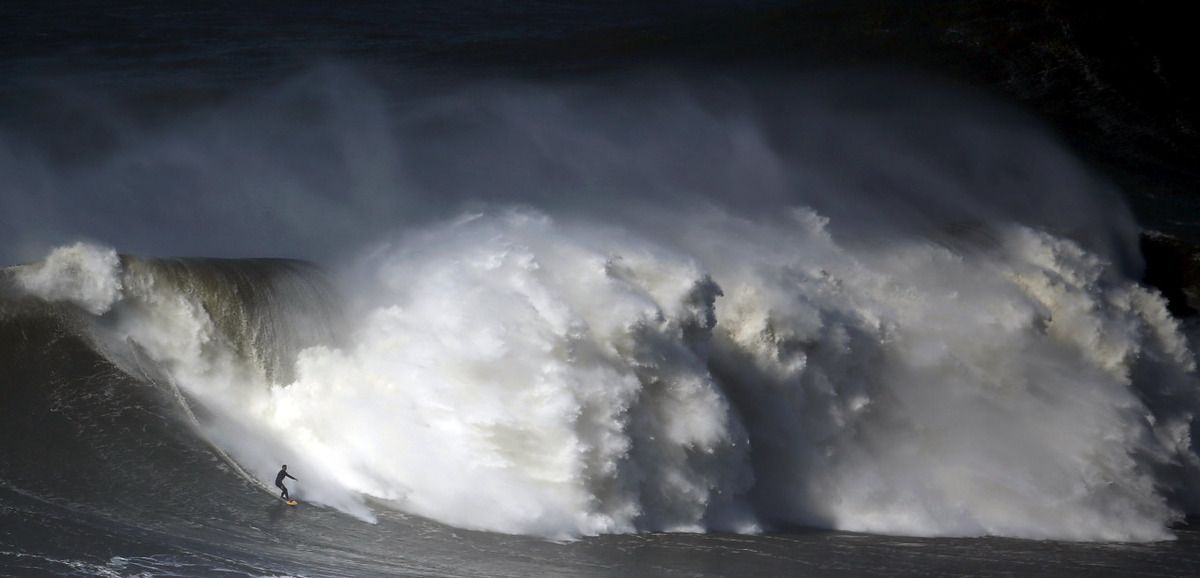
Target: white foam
[(84, 274), (512, 373), (915, 390), (516, 375), (506, 377), (904, 317)]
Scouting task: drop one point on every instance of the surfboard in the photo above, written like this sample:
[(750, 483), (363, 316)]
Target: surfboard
[(291, 503)]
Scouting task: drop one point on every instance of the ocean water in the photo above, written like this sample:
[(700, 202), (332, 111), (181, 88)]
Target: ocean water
[(522, 291)]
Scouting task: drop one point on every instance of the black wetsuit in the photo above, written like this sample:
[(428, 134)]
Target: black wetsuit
[(279, 483)]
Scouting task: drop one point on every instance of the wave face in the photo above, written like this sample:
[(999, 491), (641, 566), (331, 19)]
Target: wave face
[(663, 310)]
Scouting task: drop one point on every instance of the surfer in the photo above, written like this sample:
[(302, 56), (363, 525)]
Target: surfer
[(279, 482)]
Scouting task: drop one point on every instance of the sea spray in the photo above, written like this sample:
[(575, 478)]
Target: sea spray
[(520, 374), (915, 389), (215, 333), (512, 372), (512, 377), (84, 274), (674, 306)]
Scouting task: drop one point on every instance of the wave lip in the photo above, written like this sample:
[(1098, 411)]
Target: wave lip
[(83, 274)]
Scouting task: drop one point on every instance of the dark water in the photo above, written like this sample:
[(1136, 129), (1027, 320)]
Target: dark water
[(663, 141)]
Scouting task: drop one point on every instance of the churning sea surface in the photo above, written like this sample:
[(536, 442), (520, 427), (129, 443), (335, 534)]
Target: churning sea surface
[(523, 289)]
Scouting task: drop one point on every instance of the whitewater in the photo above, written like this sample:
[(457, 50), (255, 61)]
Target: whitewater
[(749, 330), (510, 373)]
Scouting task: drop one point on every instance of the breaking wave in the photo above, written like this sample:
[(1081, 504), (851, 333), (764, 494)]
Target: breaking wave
[(659, 311), (514, 373)]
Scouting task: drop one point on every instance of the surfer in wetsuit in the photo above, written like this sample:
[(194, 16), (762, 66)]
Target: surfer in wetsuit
[(279, 482)]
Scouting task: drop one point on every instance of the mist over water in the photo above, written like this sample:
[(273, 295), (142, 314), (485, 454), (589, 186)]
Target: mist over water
[(324, 163), (652, 304)]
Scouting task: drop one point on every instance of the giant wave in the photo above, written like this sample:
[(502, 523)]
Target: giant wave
[(811, 318), (509, 372)]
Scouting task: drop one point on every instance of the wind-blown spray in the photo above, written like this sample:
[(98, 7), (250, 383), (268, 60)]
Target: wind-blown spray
[(673, 313)]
